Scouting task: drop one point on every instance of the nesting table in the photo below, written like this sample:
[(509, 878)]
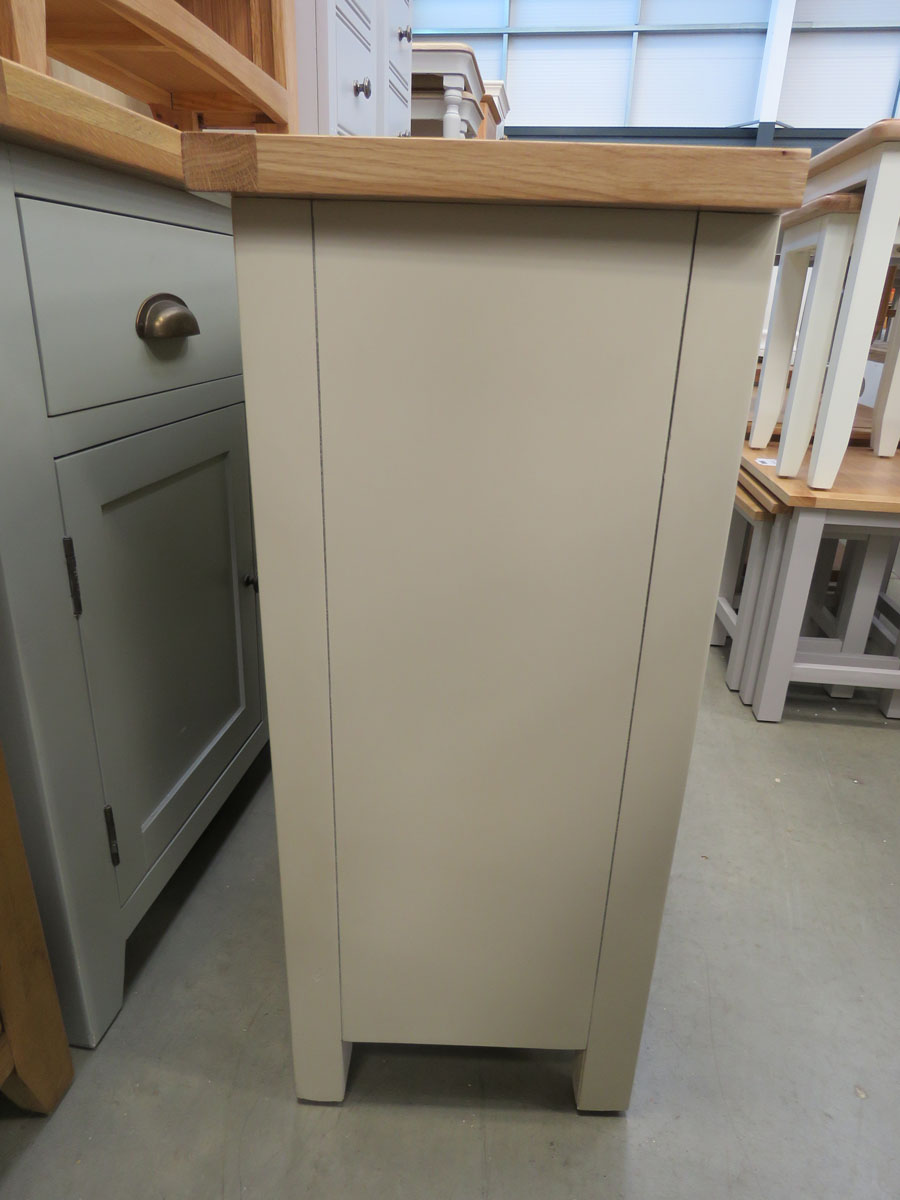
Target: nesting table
[(863, 507), (484, 652)]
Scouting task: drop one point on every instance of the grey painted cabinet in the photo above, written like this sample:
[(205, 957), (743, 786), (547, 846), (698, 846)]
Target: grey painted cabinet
[(131, 697)]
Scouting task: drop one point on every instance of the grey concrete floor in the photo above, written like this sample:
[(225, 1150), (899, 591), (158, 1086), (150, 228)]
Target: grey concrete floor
[(770, 1064)]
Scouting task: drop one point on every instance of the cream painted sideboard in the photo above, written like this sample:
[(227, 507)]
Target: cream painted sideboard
[(488, 567)]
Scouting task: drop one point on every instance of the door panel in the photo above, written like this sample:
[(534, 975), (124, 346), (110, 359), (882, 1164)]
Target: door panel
[(489, 517), (161, 527)]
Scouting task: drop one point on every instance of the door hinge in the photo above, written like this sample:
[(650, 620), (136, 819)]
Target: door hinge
[(111, 835), (72, 568)]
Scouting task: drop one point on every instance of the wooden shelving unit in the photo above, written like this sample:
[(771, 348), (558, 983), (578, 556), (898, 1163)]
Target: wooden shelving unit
[(196, 63), (35, 1063)]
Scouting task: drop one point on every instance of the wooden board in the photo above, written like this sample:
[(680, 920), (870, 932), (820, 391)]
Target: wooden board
[(760, 493), (835, 202), (865, 483), (164, 47), (866, 139), (40, 111), (503, 172), (751, 508), (35, 1059), (22, 32)]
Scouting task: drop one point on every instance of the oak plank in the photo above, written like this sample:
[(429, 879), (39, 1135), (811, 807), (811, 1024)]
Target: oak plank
[(23, 32), (40, 111), (502, 172), (197, 43), (750, 507), (760, 493), (32, 1022), (834, 202)]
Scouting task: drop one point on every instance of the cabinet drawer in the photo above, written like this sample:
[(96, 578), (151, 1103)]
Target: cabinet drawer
[(90, 271), (354, 63)]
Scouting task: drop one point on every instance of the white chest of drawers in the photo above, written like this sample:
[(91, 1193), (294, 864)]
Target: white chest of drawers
[(354, 62)]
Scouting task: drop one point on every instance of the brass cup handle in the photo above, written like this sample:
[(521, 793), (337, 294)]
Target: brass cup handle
[(405, 35), (364, 88), (164, 315)]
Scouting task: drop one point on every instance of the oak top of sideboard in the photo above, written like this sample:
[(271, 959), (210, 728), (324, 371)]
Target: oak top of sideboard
[(502, 172)]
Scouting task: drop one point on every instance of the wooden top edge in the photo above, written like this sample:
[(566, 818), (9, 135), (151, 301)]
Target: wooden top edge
[(874, 135), (865, 482), (488, 171), (758, 487), (40, 111), (748, 505), (490, 102), (834, 202)]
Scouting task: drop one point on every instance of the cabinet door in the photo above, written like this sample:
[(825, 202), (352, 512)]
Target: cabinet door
[(161, 528)]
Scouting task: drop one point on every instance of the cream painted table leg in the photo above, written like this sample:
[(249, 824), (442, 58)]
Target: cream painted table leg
[(779, 345), (889, 701), (859, 599), (760, 534), (788, 609), (886, 411), (817, 615), (734, 550), (816, 332), (763, 610), (273, 250), (732, 270), (869, 260)]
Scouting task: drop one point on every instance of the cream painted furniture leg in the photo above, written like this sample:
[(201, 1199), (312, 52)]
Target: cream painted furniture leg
[(886, 411), (732, 269), (760, 534), (734, 550), (763, 611), (889, 701), (859, 599), (816, 332), (817, 615), (273, 247), (869, 260), (779, 344), (788, 609)]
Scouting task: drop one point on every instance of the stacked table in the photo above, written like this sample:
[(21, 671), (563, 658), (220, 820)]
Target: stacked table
[(785, 633)]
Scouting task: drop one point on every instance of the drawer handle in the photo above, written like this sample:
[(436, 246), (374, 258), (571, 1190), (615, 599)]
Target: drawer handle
[(165, 316), (364, 88), (405, 35)]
